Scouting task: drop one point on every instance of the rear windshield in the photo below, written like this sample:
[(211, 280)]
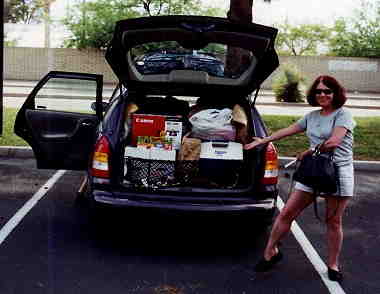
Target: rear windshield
[(163, 57)]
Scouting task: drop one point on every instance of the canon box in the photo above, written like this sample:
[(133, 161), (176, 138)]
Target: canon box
[(149, 126)]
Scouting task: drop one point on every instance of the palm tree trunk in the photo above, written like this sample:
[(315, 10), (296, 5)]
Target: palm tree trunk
[(240, 11)]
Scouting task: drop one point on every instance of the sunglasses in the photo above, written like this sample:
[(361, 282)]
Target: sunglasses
[(325, 91)]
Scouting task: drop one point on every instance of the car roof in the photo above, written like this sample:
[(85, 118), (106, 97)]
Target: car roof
[(253, 43)]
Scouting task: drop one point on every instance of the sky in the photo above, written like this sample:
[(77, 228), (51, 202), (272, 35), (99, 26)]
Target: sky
[(296, 11), (316, 11)]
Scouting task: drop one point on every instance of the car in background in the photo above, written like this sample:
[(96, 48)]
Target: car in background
[(128, 168), (163, 61)]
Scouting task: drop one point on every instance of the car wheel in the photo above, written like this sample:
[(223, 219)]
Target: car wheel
[(100, 216)]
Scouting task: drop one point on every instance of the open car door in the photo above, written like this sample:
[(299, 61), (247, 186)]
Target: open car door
[(57, 119)]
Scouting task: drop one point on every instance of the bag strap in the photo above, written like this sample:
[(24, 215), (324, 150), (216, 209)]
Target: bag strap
[(315, 205), (315, 195)]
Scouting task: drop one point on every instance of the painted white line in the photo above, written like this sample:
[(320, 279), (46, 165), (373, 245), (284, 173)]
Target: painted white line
[(312, 255), (23, 211)]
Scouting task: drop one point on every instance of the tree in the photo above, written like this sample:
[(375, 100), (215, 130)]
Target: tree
[(166, 7), (240, 11), (6, 11), (303, 39), (358, 36), (23, 11), (92, 23), (46, 16)]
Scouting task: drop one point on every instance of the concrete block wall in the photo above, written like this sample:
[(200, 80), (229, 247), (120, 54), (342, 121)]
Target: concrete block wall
[(33, 63), (355, 74)]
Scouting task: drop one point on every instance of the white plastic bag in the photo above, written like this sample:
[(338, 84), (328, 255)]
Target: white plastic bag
[(213, 124)]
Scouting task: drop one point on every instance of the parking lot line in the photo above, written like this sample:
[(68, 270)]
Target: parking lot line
[(312, 255), (23, 211)]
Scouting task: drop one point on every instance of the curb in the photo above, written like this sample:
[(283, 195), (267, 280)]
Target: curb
[(290, 104), (362, 165), (27, 152), (16, 152), (261, 103)]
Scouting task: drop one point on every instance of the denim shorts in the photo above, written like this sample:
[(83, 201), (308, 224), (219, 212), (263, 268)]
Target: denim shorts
[(346, 182)]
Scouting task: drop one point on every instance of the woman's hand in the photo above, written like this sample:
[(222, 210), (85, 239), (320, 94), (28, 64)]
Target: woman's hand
[(256, 142), (301, 155)]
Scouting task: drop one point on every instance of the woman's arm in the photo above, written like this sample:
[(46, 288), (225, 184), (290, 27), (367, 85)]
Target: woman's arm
[(291, 130), (335, 139)]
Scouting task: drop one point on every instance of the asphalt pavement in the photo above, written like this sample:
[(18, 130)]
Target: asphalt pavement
[(68, 256), (50, 244), (359, 104)]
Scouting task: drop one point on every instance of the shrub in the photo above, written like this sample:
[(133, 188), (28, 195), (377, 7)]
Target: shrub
[(289, 84)]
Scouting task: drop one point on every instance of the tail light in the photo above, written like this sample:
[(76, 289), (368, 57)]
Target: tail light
[(271, 166), (100, 161)]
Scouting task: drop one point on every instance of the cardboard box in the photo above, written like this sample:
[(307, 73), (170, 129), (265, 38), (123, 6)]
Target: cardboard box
[(146, 125), (173, 131), (147, 129), (134, 152)]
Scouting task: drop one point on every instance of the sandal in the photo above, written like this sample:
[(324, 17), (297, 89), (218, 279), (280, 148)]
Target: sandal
[(334, 275), (265, 265)]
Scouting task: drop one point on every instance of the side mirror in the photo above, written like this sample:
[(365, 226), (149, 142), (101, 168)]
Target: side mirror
[(104, 106)]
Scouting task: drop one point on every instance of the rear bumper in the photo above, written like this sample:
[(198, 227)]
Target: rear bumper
[(264, 205)]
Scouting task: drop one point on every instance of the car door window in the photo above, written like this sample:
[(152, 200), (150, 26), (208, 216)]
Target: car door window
[(71, 95)]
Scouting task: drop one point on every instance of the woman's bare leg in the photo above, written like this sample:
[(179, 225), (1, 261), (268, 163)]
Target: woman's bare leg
[(335, 207), (297, 202)]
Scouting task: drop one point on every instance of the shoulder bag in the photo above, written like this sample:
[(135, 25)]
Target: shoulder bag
[(318, 171)]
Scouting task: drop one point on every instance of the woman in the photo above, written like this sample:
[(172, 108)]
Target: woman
[(331, 125)]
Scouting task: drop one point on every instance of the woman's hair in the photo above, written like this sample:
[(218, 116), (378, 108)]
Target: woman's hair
[(339, 97)]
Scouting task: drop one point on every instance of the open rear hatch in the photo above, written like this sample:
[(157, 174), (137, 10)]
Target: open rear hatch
[(246, 52), (187, 116)]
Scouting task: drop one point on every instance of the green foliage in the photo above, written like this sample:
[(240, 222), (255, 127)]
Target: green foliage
[(25, 11), (358, 36), (303, 39), (8, 42), (179, 7), (365, 137), (289, 84), (92, 23), (8, 137)]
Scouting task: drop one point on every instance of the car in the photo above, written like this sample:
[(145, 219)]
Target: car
[(164, 61), (133, 145)]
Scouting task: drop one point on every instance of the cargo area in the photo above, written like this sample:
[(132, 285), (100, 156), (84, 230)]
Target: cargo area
[(186, 143)]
